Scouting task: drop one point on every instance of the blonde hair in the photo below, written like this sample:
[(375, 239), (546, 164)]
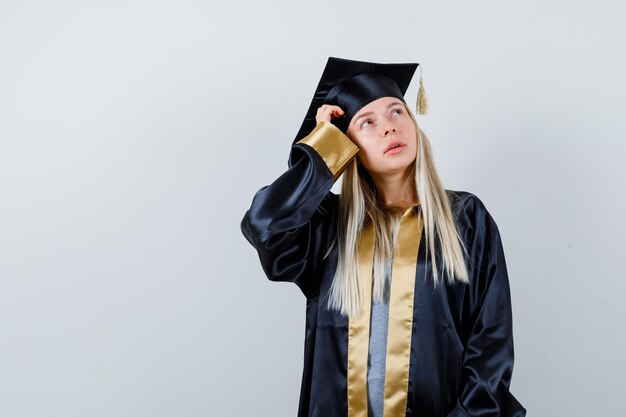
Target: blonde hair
[(358, 195)]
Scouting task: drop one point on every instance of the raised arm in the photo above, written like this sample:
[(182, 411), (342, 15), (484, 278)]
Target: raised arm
[(488, 357), (289, 221)]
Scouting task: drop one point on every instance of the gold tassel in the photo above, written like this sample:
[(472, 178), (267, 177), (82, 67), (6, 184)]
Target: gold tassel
[(422, 100)]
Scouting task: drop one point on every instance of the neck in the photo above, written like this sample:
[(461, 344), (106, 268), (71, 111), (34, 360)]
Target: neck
[(396, 190)]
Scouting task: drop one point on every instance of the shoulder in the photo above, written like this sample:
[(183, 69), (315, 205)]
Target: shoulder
[(332, 200), (464, 202), (329, 207), (469, 211)]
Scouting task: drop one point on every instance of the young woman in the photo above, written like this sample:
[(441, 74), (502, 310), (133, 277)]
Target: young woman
[(408, 302)]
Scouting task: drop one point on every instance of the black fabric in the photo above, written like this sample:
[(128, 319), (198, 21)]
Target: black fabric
[(351, 85), (462, 342)]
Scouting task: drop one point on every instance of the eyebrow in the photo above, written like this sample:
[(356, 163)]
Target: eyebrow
[(369, 112)]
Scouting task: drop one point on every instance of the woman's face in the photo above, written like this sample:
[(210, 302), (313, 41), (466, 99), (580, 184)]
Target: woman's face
[(376, 128)]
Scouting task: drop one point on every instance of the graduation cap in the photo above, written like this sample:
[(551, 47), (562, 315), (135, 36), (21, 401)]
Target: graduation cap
[(353, 84)]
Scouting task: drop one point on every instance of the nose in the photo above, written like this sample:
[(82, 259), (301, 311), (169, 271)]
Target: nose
[(388, 128)]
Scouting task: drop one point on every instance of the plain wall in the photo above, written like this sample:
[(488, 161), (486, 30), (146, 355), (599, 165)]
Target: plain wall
[(134, 134)]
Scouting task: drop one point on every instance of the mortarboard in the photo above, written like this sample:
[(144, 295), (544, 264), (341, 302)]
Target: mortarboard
[(353, 84)]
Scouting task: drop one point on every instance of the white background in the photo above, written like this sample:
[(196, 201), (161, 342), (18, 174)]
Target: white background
[(134, 134)]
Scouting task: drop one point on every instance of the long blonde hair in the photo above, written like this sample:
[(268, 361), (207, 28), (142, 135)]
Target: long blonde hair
[(358, 195)]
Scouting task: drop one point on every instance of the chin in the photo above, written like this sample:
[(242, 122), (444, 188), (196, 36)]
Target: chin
[(398, 161), (395, 168)]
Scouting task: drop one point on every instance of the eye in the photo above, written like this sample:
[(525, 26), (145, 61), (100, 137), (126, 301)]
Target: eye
[(365, 121), (397, 110)]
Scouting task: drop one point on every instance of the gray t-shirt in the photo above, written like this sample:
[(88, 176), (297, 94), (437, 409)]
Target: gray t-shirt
[(378, 349)]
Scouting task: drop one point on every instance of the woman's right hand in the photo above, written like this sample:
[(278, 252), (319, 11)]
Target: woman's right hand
[(326, 112)]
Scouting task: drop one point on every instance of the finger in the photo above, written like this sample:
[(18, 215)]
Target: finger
[(330, 107)]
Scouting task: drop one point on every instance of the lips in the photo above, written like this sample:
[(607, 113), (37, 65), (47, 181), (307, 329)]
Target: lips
[(393, 144)]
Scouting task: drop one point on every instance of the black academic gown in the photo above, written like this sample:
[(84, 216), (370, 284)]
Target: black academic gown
[(461, 354)]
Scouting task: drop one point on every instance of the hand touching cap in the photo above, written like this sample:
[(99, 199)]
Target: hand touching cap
[(326, 112)]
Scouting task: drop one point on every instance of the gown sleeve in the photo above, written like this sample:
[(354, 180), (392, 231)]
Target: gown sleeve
[(488, 355), (288, 220)]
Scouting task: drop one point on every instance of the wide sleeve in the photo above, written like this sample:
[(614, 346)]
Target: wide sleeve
[(488, 355), (288, 222)]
